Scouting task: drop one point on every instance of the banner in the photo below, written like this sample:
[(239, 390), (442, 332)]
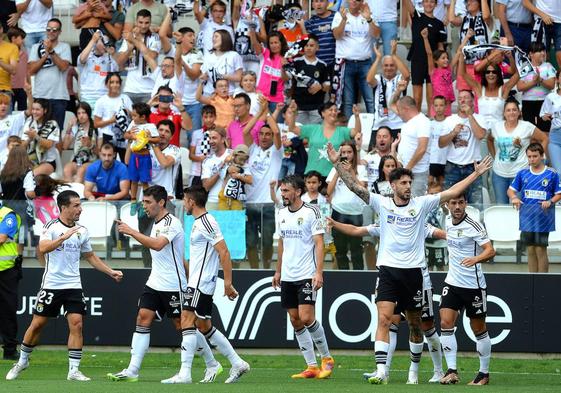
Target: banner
[(232, 225), (523, 63), (521, 316)]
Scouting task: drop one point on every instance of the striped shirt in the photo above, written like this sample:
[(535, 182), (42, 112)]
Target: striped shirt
[(321, 27)]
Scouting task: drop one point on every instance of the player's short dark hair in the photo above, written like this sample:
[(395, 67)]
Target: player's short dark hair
[(63, 199), (185, 30), (158, 193), (144, 13), (208, 109), (462, 195), (295, 181), (398, 173), (245, 98), (165, 88), (536, 147), (168, 123), (142, 109), (196, 193)]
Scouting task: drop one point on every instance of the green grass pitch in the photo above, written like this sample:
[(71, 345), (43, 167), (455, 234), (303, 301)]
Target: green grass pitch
[(271, 373)]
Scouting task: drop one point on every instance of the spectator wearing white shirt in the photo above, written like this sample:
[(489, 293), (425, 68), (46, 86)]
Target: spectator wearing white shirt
[(165, 158), (516, 23), (136, 48), (550, 14), (265, 160), (211, 24), (415, 135), (462, 135), (34, 16), (94, 63), (437, 154), (354, 31), (213, 173)]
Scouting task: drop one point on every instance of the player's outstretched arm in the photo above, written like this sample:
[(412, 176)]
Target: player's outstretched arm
[(347, 176), (226, 263), (98, 264), (479, 169), (347, 229), (154, 243)]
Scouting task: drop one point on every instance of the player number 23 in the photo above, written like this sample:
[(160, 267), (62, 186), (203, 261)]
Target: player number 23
[(49, 296)]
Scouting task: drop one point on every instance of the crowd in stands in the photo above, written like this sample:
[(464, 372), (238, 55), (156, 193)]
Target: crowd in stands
[(256, 93)]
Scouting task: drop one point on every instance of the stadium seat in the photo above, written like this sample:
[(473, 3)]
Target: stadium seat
[(185, 165), (474, 213), (131, 221), (77, 187), (58, 173), (366, 122), (502, 225), (98, 218)]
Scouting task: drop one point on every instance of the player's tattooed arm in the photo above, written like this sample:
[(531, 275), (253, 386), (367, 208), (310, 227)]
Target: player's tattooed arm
[(347, 176)]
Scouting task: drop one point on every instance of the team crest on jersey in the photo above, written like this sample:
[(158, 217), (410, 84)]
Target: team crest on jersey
[(412, 212), (545, 182), (39, 307), (460, 232), (157, 232), (300, 221)]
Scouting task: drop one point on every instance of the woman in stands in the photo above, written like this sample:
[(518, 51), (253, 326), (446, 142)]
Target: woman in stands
[(41, 133)]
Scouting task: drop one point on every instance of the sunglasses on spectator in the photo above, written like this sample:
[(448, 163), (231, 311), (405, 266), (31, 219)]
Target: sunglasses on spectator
[(52, 29), (491, 72)]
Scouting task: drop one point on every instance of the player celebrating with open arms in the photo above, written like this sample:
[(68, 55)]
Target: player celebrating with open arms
[(62, 242), (208, 249), (401, 254), (299, 273)]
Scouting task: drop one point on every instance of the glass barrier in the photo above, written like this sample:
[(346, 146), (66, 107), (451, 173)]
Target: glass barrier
[(256, 244)]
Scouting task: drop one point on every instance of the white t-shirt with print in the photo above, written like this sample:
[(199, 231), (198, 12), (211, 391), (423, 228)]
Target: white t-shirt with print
[(417, 127)]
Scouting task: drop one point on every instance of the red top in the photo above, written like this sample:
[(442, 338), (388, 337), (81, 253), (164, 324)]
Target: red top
[(156, 117)]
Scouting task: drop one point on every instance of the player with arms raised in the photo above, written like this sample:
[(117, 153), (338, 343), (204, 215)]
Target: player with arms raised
[(163, 291), (299, 273), (62, 242), (401, 254), (208, 249), (465, 288)]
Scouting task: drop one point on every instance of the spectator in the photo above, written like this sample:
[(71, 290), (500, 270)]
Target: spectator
[(550, 14), (107, 179), (200, 145), (138, 45), (319, 135), (211, 24), (461, 135), (233, 195), (272, 76), (166, 158), (44, 203), (438, 154), (222, 62), (382, 184), (114, 27), (384, 86), (166, 74), (440, 9), (165, 99), (49, 61), (157, 11), (72, 102), (436, 36), (34, 15), (221, 101), (385, 14), (243, 24), (535, 86), (507, 143), (309, 89), (9, 15), (264, 164), (9, 57), (415, 135), (295, 156), (111, 114), (477, 18), (235, 131), (320, 25), (534, 193), (347, 207), (191, 60), (212, 174), (9, 124), (83, 136), (19, 97), (383, 145), (551, 111), (88, 18), (247, 86), (40, 136), (292, 24), (516, 23), (354, 31), (18, 186), (10, 275), (95, 62)]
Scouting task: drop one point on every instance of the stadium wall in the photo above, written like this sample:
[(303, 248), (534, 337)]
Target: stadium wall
[(522, 311)]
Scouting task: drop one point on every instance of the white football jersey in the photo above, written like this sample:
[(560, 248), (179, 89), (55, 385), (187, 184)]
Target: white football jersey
[(168, 271), (204, 261), (464, 241), (297, 229), (402, 230), (62, 269)]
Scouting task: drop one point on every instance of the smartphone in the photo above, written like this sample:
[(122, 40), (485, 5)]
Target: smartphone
[(273, 90), (343, 159), (166, 98)]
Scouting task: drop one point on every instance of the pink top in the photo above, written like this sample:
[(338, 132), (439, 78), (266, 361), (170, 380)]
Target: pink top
[(271, 70), (235, 132), (18, 80), (442, 79)]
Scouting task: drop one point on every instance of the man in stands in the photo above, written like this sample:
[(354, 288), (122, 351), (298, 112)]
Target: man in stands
[(107, 179)]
